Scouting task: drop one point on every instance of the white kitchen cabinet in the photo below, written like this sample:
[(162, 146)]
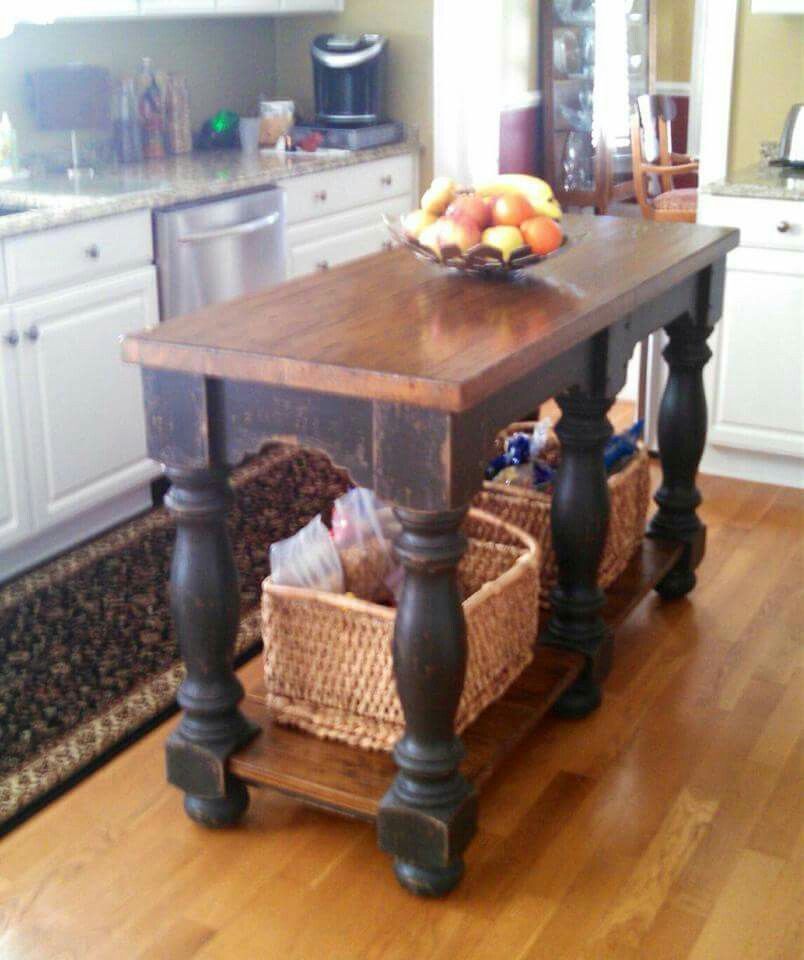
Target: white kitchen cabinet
[(311, 6), (247, 6), (755, 381), (337, 215), (331, 241), (96, 9), (82, 406), (777, 6), (171, 8), (15, 510)]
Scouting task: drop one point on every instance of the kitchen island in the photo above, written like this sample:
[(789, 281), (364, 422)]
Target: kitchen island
[(404, 372)]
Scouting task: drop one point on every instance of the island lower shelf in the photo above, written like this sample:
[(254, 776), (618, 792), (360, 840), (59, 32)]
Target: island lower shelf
[(352, 782)]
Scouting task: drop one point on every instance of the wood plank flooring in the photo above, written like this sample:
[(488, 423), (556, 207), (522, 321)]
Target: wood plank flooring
[(667, 826)]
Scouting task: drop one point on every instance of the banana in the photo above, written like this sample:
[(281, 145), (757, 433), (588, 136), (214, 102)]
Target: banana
[(538, 193)]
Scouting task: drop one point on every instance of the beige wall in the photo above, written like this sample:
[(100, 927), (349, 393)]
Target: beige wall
[(228, 62), (768, 78), (409, 26), (674, 21)]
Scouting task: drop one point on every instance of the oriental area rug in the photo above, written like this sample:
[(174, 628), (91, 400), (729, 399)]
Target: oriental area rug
[(88, 658)]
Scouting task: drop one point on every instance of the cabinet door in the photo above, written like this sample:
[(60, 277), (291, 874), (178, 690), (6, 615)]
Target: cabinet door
[(85, 428), (759, 356), (169, 8), (247, 6), (78, 9), (15, 513), (310, 6)]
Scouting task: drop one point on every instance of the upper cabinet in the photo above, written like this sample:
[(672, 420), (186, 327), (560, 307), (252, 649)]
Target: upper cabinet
[(169, 8), (777, 6), (100, 9)]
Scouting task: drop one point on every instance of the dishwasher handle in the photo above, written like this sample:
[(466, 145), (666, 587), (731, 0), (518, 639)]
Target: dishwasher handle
[(240, 229)]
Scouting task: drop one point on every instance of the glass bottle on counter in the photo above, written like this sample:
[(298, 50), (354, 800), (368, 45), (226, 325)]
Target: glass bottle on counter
[(127, 137), (177, 101)]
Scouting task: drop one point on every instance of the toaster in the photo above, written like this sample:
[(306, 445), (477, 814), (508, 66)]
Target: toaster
[(791, 148)]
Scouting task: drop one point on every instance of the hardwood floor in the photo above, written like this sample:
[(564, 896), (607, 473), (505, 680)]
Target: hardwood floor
[(667, 826)]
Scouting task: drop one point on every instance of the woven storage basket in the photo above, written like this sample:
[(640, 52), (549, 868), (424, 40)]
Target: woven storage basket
[(328, 661), (629, 490)]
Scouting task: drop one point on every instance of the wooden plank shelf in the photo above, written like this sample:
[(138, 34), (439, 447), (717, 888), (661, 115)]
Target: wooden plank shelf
[(352, 781)]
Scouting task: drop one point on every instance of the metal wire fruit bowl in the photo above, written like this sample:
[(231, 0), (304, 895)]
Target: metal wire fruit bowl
[(480, 260)]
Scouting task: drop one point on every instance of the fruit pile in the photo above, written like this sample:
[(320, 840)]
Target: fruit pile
[(513, 213)]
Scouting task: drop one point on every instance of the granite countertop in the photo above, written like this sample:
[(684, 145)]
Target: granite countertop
[(761, 182), (154, 184)]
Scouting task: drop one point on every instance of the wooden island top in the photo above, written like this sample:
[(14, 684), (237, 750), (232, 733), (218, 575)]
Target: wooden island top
[(393, 328)]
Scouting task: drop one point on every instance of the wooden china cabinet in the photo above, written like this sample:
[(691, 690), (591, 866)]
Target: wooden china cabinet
[(587, 157)]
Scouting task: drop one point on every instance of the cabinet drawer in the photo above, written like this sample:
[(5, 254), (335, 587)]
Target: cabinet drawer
[(331, 241), (321, 194), (777, 224), (37, 262), (3, 288)]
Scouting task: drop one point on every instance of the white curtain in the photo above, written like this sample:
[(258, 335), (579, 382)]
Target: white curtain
[(13, 12), (467, 88)]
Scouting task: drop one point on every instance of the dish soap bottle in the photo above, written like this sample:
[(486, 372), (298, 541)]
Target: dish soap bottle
[(8, 148)]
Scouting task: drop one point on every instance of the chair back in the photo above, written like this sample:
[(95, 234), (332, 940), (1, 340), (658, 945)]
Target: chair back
[(653, 161)]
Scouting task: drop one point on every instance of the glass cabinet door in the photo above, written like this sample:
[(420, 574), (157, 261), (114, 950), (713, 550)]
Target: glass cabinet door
[(597, 61)]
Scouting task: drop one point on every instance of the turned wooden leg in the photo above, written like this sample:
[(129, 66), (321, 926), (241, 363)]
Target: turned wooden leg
[(429, 814), (682, 436), (205, 603), (579, 521)]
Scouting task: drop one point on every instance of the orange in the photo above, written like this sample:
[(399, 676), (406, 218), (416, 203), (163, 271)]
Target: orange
[(542, 234), (510, 210)]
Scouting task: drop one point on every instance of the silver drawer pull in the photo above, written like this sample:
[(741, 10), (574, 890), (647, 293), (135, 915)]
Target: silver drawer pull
[(93, 251), (12, 338), (320, 195), (322, 265), (783, 226), (387, 180), (32, 333), (250, 226)]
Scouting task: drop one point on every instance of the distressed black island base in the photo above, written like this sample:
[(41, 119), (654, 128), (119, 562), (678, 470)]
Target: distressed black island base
[(403, 373)]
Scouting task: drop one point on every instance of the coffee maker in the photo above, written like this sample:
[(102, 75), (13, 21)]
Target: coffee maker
[(349, 78)]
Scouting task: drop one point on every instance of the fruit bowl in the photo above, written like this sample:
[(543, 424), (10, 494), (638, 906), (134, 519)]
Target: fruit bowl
[(480, 260)]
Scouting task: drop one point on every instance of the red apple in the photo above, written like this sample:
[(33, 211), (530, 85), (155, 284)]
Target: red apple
[(512, 209), (460, 232), (473, 207)]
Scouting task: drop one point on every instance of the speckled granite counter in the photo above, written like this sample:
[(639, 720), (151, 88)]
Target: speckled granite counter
[(162, 183), (761, 182)]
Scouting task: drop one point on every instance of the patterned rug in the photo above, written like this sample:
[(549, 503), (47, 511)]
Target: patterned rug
[(88, 660)]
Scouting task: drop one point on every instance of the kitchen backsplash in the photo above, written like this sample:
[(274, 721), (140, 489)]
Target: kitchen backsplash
[(227, 63)]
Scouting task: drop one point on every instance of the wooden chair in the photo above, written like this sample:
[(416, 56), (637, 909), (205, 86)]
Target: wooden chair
[(654, 162)]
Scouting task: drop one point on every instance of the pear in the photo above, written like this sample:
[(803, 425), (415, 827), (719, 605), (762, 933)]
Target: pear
[(504, 239), (413, 223)]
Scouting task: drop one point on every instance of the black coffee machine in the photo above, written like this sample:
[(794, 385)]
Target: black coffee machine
[(349, 76)]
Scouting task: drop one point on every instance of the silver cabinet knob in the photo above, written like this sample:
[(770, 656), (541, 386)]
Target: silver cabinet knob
[(32, 333), (93, 251), (783, 226), (387, 180), (320, 195), (322, 265), (12, 338)]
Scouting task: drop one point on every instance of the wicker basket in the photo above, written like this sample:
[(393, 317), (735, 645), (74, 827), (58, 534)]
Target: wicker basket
[(328, 662), (529, 510)]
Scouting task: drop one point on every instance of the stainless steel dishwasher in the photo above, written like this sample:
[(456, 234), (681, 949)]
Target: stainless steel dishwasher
[(217, 250)]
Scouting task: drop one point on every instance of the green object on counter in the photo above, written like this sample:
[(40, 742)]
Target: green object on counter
[(224, 121)]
